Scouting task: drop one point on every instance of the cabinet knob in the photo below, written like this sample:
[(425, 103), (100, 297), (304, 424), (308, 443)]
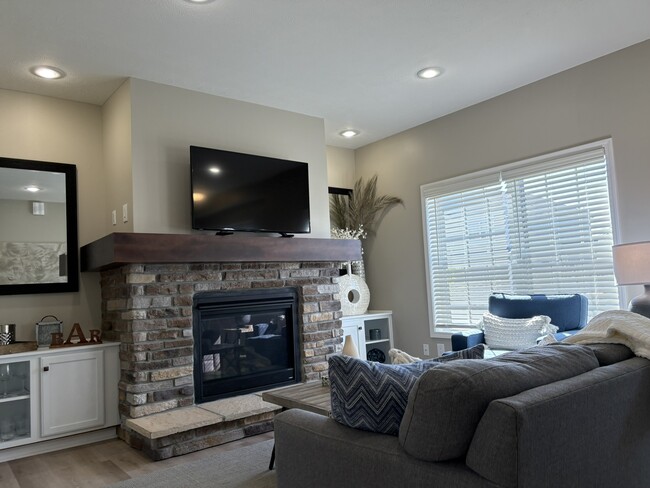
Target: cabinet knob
[(46, 368), (360, 328)]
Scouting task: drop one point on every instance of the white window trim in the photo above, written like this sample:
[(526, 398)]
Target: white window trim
[(483, 177)]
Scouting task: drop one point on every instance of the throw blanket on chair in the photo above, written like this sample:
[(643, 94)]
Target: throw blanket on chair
[(617, 327)]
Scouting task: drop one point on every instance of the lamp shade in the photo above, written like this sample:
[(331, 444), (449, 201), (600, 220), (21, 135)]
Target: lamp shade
[(632, 263), (350, 348)]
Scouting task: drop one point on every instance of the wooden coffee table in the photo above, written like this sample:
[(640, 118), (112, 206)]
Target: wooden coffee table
[(312, 397)]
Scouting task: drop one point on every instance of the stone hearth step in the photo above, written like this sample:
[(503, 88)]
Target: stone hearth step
[(182, 430)]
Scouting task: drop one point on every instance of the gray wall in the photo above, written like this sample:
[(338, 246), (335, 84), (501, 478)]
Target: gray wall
[(19, 224), (608, 97)]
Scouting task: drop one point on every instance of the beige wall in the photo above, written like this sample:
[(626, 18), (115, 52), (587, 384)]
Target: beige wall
[(603, 98), (116, 123), (340, 167), (48, 129), (167, 120), (135, 150)]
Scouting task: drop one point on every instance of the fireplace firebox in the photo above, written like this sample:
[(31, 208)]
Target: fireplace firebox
[(244, 341)]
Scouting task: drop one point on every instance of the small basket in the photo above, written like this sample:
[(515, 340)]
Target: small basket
[(45, 329)]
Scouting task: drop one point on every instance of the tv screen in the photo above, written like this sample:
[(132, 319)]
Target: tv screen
[(242, 192)]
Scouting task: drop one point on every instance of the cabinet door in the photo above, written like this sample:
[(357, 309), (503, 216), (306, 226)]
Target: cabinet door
[(72, 392)]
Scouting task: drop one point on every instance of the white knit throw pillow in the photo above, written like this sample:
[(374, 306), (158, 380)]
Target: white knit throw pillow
[(502, 333)]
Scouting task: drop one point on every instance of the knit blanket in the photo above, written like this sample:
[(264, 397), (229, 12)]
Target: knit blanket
[(617, 327)]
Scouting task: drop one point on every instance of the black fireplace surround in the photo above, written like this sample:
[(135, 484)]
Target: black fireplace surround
[(245, 341)]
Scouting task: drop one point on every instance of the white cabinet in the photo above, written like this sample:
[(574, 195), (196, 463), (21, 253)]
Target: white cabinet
[(15, 402), (72, 392), (372, 333), (49, 394)]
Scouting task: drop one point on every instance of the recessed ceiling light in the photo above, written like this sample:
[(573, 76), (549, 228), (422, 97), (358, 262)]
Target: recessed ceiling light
[(349, 133), (428, 73), (32, 189), (47, 72), (214, 170)]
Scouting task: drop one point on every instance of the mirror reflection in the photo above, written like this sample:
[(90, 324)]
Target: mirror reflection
[(38, 243)]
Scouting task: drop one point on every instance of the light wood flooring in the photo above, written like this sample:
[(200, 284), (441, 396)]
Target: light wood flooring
[(96, 465)]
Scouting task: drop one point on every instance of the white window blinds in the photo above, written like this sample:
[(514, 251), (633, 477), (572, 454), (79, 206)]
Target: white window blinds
[(541, 226)]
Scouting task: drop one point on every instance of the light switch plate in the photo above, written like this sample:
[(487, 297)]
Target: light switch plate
[(125, 213)]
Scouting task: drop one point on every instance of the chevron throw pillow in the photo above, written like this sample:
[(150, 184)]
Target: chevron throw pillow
[(373, 396)]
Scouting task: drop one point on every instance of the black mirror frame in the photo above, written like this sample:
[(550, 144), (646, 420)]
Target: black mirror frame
[(334, 190), (70, 171)]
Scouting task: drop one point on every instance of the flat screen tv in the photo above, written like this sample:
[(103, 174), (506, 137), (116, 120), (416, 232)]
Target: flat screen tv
[(235, 192)]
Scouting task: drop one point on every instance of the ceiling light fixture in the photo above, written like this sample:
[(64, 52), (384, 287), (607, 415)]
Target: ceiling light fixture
[(349, 133), (214, 170), (32, 188), (428, 73), (47, 72)]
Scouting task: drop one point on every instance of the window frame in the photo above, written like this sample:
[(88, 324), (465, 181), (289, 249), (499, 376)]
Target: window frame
[(538, 164)]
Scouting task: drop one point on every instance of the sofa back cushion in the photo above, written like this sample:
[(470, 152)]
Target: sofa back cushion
[(447, 402)]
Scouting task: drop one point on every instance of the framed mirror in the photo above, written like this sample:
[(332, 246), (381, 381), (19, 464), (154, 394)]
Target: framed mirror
[(339, 200), (39, 250)]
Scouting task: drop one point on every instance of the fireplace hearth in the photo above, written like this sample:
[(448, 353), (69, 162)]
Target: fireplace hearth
[(244, 341)]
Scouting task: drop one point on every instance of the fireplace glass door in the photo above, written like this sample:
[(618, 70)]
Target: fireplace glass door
[(244, 341)]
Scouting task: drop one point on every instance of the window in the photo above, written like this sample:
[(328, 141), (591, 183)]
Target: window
[(537, 226)]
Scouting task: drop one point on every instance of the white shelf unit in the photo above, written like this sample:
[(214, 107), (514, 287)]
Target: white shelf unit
[(54, 393), (360, 327)]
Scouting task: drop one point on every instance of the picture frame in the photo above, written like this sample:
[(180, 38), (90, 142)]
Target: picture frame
[(45, 329)]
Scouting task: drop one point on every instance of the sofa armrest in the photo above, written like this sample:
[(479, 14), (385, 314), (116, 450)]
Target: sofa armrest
[(570, 430), (463, 340), (313, 450)]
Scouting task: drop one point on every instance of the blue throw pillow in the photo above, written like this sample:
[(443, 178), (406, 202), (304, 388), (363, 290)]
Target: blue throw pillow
[(373, 396)]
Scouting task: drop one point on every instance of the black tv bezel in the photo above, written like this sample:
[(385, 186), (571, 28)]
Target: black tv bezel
[(230, 230)]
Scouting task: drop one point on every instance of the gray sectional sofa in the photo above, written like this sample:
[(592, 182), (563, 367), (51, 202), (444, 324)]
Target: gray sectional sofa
[(553, 416)]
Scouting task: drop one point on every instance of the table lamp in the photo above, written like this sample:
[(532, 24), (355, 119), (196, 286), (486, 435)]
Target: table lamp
[(632, 267), (350, 348)]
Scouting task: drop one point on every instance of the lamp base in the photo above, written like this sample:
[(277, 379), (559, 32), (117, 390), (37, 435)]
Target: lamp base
[(641, 304)]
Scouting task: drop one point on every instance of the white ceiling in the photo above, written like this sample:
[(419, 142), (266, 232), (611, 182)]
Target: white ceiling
[(352, 63)]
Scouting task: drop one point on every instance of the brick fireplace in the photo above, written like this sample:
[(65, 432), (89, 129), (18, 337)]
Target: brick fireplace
[(148, 283)]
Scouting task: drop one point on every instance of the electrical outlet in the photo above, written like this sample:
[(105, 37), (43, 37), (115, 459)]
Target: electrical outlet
[(114, 217), (441, 349), (125, 213), (425, 349)]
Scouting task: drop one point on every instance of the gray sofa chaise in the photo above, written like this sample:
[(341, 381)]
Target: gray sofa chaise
[(553, 416)]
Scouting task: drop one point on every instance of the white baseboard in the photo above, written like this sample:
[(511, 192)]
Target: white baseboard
[(43, 447)]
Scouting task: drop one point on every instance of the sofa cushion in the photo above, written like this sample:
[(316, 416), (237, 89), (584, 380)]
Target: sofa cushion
[(448, 401), (372, 396), (610, 353)]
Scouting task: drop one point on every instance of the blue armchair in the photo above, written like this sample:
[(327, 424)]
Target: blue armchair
[(567, 312)]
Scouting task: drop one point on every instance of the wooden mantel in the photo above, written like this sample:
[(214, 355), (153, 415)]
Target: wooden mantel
[(122, 248)]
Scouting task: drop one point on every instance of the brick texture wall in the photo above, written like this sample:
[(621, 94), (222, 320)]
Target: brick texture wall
[(148, 308)]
